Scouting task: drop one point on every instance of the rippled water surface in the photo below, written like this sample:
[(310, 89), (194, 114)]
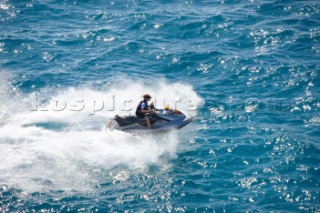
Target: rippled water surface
[(251, 68)]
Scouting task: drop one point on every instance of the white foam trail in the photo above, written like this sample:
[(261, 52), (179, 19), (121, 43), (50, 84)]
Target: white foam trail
[(65, 150)]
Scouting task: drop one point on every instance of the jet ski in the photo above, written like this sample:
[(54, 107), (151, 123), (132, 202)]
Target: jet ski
[(162, 120)]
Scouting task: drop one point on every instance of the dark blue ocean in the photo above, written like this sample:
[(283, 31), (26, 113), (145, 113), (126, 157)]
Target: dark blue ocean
[(247, 70)]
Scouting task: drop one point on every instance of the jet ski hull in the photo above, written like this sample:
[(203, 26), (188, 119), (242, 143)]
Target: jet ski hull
[(160, 122)]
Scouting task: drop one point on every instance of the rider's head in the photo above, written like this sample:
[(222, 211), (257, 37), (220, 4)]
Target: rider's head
[(147, 97)]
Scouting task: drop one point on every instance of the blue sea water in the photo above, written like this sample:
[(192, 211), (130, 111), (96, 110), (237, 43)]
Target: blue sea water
[(248, 71)]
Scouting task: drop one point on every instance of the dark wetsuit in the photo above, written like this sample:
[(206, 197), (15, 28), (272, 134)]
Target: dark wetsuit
[(143, 105)]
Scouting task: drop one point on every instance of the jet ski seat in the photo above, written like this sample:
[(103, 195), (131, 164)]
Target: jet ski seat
[(128, 120)]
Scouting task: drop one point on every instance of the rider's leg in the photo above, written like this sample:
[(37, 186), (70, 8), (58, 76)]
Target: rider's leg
[(148, 122), (147, 118)]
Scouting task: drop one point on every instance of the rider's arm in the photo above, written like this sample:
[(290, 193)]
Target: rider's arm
[(146, 110)]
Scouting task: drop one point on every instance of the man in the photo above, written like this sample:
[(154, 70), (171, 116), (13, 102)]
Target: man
[(143, 109)]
